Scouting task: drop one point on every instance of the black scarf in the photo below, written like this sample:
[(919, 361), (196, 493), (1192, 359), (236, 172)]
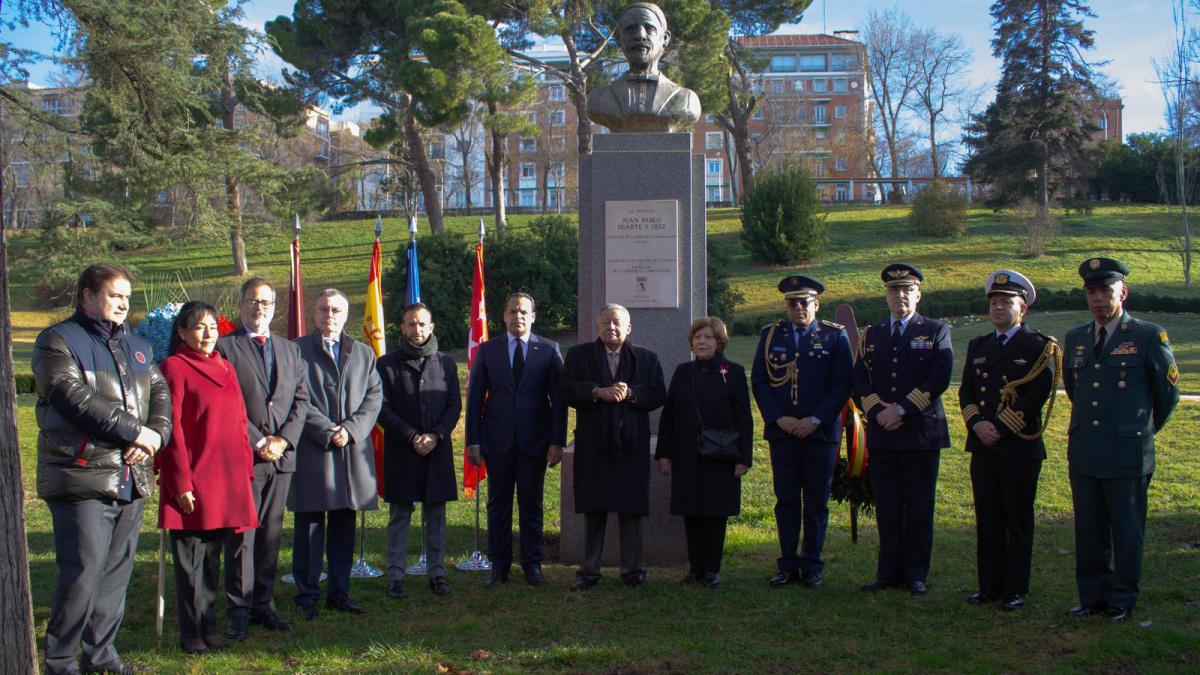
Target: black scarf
[(421, 351)]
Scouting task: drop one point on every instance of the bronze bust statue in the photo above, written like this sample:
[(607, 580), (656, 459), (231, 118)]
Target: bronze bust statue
[(643, 100)]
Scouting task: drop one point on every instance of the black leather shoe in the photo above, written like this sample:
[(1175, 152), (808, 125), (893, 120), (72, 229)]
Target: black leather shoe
[(635, 580), (343, 604), (1013, 603), (193, 646), (691, 579), (308, 612), (712, 580), (810, 579), (583, 584), (917, 588), (271, 621), (782, 579), (876, 586), (396, 589), (440, 586), (117, 667), (1119, 614), (214, 643), (239, 627), (496, 578), (534, 576), (1087, 609), (980, 598)]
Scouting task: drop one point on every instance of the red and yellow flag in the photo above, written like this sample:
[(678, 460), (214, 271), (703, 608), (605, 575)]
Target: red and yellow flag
[(373, 335), (472, 474)]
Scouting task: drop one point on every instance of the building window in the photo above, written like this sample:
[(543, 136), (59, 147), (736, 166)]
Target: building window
[(713, 193), (1103, 121), (558, 118), (528, 198), (531, 115), (56, 106), (709, 119), (758, 113), (839, 84), (528, 171), (558, 92), (839, 164), (798, 85), (559, 143), (783, 64), (839, 112), (812, 63), (843, 62), (819, 86), (528, 144), (437, 148), (843, 194), (819, 169), (776, 86), (712, 140), (819, 135), (556, 175), (714, 167), (819, 114), (20, 169), (801, 114)]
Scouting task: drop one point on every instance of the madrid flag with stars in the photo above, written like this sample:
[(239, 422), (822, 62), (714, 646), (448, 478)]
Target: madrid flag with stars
[(478, 334)]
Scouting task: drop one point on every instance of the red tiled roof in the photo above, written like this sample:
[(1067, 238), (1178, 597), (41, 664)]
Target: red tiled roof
[(810, 40)]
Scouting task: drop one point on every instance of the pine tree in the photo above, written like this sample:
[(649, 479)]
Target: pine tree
[(1031, 141)]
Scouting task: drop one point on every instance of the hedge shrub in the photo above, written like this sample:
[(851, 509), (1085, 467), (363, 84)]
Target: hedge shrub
[(939, 210)]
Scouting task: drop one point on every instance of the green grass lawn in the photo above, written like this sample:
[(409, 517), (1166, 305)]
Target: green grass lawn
[(743, 626)]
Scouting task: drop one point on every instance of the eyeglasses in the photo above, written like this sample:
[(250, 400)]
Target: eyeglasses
[(260, 303)]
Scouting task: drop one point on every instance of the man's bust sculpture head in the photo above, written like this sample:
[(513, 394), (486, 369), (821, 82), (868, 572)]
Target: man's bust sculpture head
[(643, 100)]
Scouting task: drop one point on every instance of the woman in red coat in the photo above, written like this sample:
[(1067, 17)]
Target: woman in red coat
[(205, 472)]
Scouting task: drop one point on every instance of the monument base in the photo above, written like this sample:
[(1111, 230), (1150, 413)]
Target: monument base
[(663, 545)]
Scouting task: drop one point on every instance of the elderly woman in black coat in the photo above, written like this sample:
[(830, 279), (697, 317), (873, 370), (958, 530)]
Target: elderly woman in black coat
[(421, 406), (706, 482)]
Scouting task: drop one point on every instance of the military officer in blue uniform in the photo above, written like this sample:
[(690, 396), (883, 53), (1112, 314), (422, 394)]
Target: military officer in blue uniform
[(903, 367), (1124, 384), (1009, 375), (801, 381)]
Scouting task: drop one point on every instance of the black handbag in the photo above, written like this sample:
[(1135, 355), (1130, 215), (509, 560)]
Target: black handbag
[(713, 442)]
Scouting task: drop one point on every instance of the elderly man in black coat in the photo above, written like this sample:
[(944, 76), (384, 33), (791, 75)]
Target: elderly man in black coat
[(421, 405), (335, 461), (613, 386)]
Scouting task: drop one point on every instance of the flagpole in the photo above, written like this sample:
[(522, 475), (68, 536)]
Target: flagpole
[(477, 561), (361, 568), (420, 567)]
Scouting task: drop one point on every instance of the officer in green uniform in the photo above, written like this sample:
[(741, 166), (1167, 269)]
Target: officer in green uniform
[(1123, 383)]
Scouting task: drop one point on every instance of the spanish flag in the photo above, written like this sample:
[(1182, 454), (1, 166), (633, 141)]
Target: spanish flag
[(373, 335)]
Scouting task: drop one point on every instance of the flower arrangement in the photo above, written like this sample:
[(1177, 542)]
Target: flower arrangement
[(156, 328)]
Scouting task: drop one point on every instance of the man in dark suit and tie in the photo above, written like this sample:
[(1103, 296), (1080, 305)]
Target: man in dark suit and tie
[(903, 367), (516, 424), (272, 377)]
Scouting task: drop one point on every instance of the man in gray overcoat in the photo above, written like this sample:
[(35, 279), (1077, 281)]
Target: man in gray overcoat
[(335, 461), (421, 405)]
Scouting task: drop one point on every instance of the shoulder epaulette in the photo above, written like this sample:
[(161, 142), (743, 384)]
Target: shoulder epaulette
[(1041, 334), (835, 326)]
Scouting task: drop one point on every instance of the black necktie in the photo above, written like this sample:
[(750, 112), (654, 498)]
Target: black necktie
[(1001, 338), (896, 335), (518, 364), (1101, 337)]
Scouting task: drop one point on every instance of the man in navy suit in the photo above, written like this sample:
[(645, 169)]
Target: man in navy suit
[(517, 425), (903, 367), (272, 376)]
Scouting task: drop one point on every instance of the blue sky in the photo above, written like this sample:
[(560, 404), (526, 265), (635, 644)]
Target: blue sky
[(1129, 35)]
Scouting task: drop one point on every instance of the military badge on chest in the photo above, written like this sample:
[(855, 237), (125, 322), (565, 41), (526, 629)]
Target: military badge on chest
[(921, 342)]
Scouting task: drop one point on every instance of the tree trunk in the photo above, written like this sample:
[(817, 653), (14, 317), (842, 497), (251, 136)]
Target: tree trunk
[(496, 173), (732, 166), (16, 603), (578, 92), (545, 188), (233, 197), (933, 151), (1186, 233), (420, 162), (464, 149)]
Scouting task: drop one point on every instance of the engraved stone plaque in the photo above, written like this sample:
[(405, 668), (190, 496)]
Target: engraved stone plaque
[(641, 253)]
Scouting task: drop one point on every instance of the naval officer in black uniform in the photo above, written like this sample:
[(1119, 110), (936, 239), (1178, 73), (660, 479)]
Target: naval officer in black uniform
[(801, 378), (1009, 374), (903, 367)]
